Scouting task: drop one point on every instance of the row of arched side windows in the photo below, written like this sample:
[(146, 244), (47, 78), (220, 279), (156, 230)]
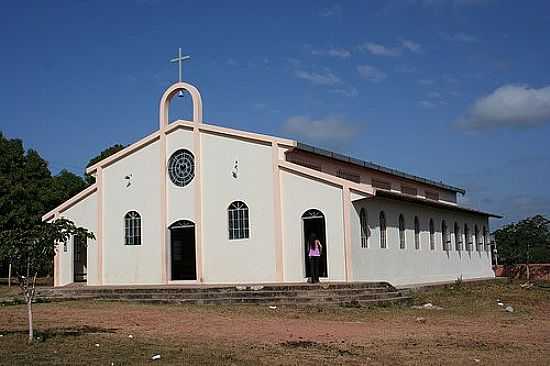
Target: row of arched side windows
[(481, 240), (238, 224)]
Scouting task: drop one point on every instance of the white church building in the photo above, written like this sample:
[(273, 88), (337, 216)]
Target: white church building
[(202, 204)]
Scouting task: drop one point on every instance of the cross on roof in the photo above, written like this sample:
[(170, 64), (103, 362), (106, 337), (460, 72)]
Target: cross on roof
[(180, 60)]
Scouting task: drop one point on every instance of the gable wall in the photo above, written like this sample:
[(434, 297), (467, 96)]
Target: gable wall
[(245, 260), (299, 195), (132, 264), (83, 213), (411, 266)]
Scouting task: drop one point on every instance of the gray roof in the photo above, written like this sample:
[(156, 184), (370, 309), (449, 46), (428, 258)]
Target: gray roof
[(373, 166)]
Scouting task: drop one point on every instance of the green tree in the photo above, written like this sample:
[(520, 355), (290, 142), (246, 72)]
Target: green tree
[(102, 155), (31, 248), (527, 241), (27, 191)]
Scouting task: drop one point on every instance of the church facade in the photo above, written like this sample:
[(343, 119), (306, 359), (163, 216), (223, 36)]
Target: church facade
[(199, 203)]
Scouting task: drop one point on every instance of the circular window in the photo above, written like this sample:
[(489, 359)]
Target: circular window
[(181, 167)]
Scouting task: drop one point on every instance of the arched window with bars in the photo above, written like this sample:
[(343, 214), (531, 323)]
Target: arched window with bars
[(382, 223), (402, 238), (132, 228), (458, 238), (444, 236), (467, 238), (432, 235), (239, 224), (364, 220), (476, 238), (416, 233)]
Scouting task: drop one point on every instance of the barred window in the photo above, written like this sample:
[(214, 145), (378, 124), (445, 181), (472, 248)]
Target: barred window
[(363, 218), (238, 221), (444, 236), (476, 238), (458, 238), (132, 228), (432, 234), (467, 238), (382, 219), (416, 233), (486, 239), (402, 239)]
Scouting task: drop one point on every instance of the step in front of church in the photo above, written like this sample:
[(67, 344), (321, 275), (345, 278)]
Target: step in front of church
[(356, 294)]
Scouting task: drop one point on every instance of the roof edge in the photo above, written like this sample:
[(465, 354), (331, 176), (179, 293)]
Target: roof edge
[(369, 165)]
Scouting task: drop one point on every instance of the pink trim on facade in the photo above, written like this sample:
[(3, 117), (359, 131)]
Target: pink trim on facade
[(277, 215), (346, 205), (99, 237)]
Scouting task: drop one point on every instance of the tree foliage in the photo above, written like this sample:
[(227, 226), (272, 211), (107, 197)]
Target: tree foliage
[(527, 241), (102, 155)]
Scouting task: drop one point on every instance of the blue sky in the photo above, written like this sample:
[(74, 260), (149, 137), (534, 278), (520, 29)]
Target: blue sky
[(457, 91)]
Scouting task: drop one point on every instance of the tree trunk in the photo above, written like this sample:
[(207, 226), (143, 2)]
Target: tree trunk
[(9, 275), (29, 311)]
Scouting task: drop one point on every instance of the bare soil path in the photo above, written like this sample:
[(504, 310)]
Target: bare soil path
[(471, 329)]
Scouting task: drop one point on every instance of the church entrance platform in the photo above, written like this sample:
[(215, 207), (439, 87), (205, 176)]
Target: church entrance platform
[(361, 293)]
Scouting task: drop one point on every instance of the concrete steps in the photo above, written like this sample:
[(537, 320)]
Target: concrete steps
[(365, 293)]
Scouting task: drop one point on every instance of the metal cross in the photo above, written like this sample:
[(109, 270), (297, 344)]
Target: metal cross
[(180, 60)]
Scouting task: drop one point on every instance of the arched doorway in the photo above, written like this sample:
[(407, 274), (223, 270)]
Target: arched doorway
[(314, 222), (80, 258), (182, 251)]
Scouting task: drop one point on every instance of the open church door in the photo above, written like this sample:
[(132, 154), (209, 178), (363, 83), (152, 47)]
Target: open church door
[(314, 222), (80, 258), (182, 251)]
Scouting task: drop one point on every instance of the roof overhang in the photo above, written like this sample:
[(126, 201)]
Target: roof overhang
[(426, 202)]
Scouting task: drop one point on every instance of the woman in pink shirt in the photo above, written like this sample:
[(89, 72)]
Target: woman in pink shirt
[(314, 253)]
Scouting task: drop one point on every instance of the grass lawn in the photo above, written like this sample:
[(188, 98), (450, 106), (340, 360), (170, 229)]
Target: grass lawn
[(470, 329)]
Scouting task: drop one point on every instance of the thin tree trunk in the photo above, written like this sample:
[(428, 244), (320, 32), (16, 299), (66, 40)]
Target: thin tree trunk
[(9, 275), (29, 311)]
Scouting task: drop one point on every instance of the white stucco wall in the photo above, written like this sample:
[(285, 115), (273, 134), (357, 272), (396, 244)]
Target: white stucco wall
[(132, 264), (300, 194), (409, 265), (246, 260), (180, 200), (83, 214)]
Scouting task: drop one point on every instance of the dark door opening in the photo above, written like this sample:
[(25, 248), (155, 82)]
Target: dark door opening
[(80, 258), (182, 249), (314, 222)]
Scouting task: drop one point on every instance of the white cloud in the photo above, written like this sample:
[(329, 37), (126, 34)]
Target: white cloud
[(371, 73), (411, 46), (427, 104), (332, 130), (333, 52), (426, 82), (346, 92), (380, 50), (509, 106), (319, 78), (459, 37), (335, 10)]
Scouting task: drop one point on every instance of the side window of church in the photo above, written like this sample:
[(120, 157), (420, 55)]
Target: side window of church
[(132, 228), (239, 225)]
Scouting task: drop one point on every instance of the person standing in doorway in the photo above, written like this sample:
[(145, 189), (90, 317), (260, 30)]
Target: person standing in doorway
[(315, 249)]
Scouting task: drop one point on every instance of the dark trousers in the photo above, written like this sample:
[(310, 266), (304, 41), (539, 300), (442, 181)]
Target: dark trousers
[(314, 269)]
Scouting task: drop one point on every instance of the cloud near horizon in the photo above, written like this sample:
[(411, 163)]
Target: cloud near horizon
[(515, 106), (371, 73), (325, 77), (332, 130)]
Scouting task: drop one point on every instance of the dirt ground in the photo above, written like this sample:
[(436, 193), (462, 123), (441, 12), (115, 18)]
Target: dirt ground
[(470, 329)]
